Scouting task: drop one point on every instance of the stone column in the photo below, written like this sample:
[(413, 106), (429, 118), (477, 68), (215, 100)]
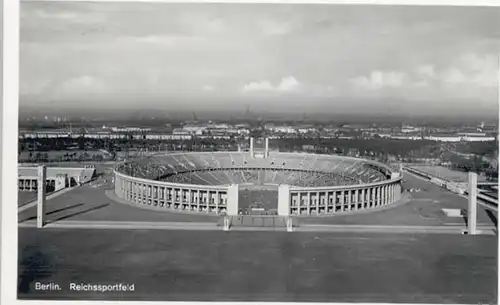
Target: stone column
[(284, 200), (356, 197), (342, 199), (251, 147), (232, 199), (308, 203), (349, 200), (42, 176), (318, 202), (217, 201), (126, 192), (472, 211), (198, 200), (266, 153)]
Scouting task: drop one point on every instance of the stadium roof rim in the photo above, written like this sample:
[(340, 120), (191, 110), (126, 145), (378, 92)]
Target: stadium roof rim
[(225, 186), (372, 162), (295, 188)]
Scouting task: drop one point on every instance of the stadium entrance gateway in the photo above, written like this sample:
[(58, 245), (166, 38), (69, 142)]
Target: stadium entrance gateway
[(259, 222)]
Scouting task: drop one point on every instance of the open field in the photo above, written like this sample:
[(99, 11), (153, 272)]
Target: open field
[(261, 266)]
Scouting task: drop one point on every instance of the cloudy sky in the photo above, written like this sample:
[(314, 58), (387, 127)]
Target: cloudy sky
[(333, 58)]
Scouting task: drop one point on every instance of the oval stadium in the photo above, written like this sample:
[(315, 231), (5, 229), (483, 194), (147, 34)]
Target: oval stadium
[(263, 182)]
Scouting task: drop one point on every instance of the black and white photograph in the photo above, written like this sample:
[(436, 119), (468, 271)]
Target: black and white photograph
[(257, 152)]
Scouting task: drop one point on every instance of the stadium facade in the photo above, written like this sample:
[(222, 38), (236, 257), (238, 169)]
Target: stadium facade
[(306, 184)]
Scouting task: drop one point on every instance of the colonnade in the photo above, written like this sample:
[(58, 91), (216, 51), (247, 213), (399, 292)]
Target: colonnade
[(224, 199), (28, 184), (303, 201), (166, 195)]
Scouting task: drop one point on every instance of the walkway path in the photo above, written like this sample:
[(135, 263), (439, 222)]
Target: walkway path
[(136, 225), (53, 195)]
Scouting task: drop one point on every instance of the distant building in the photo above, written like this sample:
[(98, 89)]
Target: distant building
[(130, 129)]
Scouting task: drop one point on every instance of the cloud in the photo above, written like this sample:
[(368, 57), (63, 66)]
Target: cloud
[(453, 76), (479, 70), (164, 40), (469, 69), (34, 86), (379, 80), (426, 71), (272, 27), (258, 86), (60, 15), (81, 85), (287, 84), (207, 88)]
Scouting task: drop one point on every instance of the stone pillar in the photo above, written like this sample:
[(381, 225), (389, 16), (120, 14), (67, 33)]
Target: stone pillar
[(118, 191), (217, 201), (251, 147), (349, 198), (266, 153), (342, 199), (40, 216), (198, 199), (232, 199), (309, 203), (318, 201), (356, 197), (161, 196), (284, 200), (472, 212)]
